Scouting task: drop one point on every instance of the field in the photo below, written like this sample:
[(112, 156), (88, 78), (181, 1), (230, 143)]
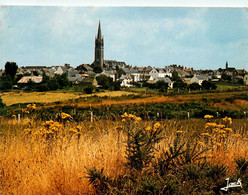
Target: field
[(11, 98), (64, 151)]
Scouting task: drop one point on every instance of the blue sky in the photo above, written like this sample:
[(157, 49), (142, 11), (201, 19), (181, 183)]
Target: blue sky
[(202, 38)]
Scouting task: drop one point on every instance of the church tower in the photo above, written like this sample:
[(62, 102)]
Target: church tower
[(99, 48)]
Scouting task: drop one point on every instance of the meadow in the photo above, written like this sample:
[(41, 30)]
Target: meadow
[(58, 152)]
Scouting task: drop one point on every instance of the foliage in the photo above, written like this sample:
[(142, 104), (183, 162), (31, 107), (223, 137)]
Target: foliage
[(88, 90), (10, 69), (226, 77), (179, 84), (2, 107), (161, 86), (105, 82), (5, 82), (194, 86), (98, 179), (208, 85)]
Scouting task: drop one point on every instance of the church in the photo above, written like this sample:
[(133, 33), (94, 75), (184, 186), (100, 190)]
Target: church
[(99, 54)]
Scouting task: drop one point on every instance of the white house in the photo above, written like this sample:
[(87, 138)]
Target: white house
[(109, 73), (159, 73), (126, 81), (198, 79)]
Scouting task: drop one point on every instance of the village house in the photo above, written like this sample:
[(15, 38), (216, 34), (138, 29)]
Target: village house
[(126, 81), (109, 73), (164, 79), (74, 76), (25, 80), (245, 79), (159, 73), (198, 79)]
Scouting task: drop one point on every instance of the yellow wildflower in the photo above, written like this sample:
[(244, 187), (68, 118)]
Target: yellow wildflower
[(208, 116), (205, 134), (220, 126), (236, 135), (216, 130), (228, 120), (130, 117), (148, 128), (124, 115), (27, 131), (222, 135), (210, 125), (156, 125), (179, 132), (65, 116), (79, 127), (222, 132), (123, 120)]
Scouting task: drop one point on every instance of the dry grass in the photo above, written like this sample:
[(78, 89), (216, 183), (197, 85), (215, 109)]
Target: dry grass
[(10, 98), (35, 166)]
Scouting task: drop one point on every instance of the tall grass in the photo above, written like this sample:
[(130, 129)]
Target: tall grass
[(36, 165)]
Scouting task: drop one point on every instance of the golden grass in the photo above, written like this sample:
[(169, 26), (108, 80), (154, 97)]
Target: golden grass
[(35, 166), (10, 98)]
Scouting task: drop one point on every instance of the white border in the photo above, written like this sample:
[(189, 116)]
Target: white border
[(131, 3)]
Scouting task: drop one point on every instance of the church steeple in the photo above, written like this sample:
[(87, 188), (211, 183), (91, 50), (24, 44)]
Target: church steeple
[(99, 34), (99, 53)]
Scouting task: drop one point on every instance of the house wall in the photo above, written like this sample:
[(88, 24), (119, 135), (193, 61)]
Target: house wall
[(194, 80), (246, 79)]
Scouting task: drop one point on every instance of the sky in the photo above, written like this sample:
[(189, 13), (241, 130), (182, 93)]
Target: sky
[(199, 37)]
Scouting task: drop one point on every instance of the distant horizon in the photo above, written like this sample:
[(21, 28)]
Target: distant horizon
[(198, 38)]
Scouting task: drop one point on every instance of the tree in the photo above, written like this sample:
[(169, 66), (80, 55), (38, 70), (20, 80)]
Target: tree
[(10, 69), (6, 82), (62, 80), (208, 85), (179, 84), (53, 84), (2, 105), (105, 82), (117, 85), (194, 86), (226, 77), (161, 86)]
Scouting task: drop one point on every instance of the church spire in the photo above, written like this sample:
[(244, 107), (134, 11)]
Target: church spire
[(99, 34)]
